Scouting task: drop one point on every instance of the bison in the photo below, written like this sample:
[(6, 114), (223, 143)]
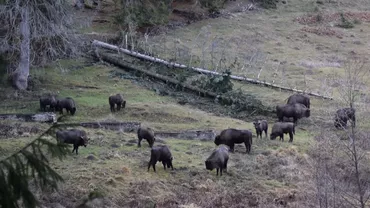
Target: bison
[(297, 111), (230, 137), (260, 126), (72, 136), (67, 103), (281, 128), (116, 100), (50, 101), (299, 98), (218, 159), (343, 115), (145, 133), (161, 154)]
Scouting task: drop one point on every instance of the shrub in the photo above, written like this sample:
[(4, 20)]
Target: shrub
[(213, 5), (144, 13), (214, 83)]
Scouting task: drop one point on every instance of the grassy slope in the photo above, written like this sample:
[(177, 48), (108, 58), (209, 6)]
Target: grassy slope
[(119, 167), (273, 170)]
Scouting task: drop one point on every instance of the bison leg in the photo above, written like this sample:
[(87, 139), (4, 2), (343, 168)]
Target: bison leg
[(231, 147), (220, 171), (266, 132), (225, 165), (164, 165), (217, 171), (247, 147), (150, 143), (290, 137), (123, 104), (119, 106), (282, 137), (112, 108), (75, 147), (139, 142)]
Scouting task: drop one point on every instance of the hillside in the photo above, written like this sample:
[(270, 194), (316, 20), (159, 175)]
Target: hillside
[(295, 45)]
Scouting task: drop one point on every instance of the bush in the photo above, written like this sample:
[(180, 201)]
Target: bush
[(213, 5), (144, 13), (345, 23), (214, 83)]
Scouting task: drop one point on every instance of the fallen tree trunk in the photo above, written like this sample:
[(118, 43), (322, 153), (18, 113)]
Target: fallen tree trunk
[(122, 126), (117, 62), (157, 60), (39, 117)]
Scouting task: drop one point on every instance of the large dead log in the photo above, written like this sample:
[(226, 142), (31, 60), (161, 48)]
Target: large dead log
[(39, 117), (172, 64), (122, 126)]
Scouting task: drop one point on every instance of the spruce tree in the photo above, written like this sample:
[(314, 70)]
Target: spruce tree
[(30, 162)]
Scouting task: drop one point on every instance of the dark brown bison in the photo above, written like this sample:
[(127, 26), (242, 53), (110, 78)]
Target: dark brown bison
[(218, 159), (299, 98), (281, 128), (72, 136), (50, 101), (116, 100), (145, 133), (67, 103), (260, 126), (295, 111), (343, 115), (230, 137), (161, 154)]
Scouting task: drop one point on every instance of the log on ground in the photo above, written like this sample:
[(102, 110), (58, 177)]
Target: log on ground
[(39, 117)]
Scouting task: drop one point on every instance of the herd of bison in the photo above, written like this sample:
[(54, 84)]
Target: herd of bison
[(297, 107)]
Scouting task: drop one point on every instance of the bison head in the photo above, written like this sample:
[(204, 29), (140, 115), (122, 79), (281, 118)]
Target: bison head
[(307, 113), (209, 165), (84, 140), (218, 140), (273, 136), (257, 124)]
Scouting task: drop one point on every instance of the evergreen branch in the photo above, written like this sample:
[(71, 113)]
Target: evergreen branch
[(29, 161)]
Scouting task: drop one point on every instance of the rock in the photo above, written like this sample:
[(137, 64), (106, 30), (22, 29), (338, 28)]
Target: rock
[(91, 157)]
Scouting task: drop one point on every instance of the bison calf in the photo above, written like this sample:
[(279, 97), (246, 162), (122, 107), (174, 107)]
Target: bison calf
[(260, 126), (281, 128), (72, 136), (230, 137), (145, 133), (218, 159), (116, 100), (161, 154), (299, 98), (50, 101), (343, 115), (67, 103)]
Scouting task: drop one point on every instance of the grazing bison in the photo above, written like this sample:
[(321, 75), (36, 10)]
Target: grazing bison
[(161, 154), (67, 103), (260, 126), (281, 128), (299, 98), (73, 136), (218, 159), (230, 137), (297, 111), (145, 133), (50, 101), (116, 100), (343, 115)]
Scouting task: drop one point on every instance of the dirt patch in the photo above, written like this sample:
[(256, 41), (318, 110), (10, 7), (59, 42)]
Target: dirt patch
[(205, 135), (323, 31), (334, 17), (16, 130)]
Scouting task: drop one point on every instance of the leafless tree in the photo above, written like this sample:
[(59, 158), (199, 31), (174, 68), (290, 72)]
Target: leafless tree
[(341, 161), (33, 32)]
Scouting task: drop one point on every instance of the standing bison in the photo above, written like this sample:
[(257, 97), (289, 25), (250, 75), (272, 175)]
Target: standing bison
[(147, 134), (260, 126), (72, 136), (161, 154), (230, 137), (116, 100), (67, 103), (50, 101), (295, 111), (343, 115), (281, 128), (299, 98), (218, 159)]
